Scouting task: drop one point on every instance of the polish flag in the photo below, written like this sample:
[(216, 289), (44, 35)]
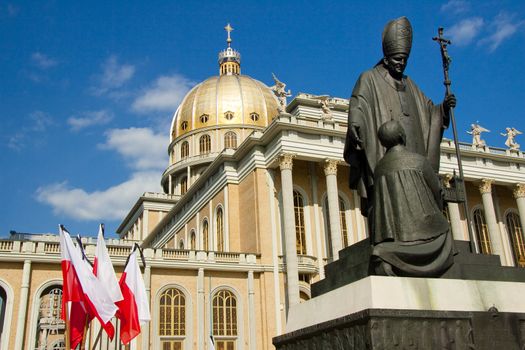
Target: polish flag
[(133, 310), (103, 269), (72, 293), (92, 292)]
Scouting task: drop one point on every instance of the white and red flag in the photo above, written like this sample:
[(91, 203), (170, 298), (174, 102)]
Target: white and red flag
[(72, 293), (133, 310), (103, 269), (84, 287)]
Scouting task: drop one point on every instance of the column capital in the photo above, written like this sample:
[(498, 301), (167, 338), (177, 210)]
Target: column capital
[(330, 166), (486, 186), (286, 161), (445, 180), (519, 190)]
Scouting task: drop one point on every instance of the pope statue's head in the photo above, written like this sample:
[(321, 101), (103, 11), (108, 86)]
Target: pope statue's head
[(397, 42)]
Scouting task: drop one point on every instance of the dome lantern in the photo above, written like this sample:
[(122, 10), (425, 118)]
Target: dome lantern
[(229, 59)]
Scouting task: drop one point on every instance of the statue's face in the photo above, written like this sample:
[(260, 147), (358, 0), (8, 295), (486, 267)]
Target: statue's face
[(396, 64)]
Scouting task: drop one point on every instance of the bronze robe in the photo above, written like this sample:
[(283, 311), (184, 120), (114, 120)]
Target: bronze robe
[(409, 229), (376, 99)]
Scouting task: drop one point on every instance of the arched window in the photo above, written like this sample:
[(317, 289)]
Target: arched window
[(184, 150), (516, 238), (224, 320), (205, 144), (342, 221), (300, 235), (183, 185), (172, 319), (181, 244), (220, 230), (481, 231), (3, 305), (193, 245), (230, 140), (50, 327), (205, 235)]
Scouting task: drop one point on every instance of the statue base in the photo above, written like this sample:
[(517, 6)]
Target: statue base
[(384, 329), (476, 304)]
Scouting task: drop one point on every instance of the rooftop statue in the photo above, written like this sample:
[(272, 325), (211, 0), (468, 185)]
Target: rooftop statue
[(384, 93), (511, 134), (279, 89), (410, 235), (475, 131), (325, 106)]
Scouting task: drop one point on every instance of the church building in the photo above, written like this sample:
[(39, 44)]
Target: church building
[(255, 203)]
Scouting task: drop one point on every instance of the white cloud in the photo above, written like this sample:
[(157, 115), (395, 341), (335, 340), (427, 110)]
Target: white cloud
[(141, 147), (114, 76), (456, 6), (502, 28), (43, 61), (465, 31), (40, 121), (89, 118), (33, 131), (110, 204), (165, 94), (144, 151)]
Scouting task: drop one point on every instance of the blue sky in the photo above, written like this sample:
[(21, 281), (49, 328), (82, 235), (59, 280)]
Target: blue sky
[(88, 90)]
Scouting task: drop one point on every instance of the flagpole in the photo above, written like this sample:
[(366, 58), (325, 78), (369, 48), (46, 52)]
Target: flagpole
[(68, 328), (83, 343)]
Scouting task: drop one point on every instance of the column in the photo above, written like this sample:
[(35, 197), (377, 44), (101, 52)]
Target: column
[(453, 213), (320, 253), (147, 284), (22, 311), (519, 195), (485, 188), (201, 337), (292, 275), (330, 172), (251, 312)]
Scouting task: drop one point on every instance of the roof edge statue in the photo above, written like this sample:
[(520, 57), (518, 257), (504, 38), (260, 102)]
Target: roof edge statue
[(383, 94)]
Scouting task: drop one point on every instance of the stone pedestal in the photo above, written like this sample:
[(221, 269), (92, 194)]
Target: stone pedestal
[(477, 304)]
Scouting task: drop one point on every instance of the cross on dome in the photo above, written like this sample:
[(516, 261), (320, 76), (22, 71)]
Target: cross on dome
[(228, 29)]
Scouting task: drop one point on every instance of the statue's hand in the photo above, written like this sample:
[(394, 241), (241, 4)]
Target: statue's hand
[(353, 132), (449, 102)]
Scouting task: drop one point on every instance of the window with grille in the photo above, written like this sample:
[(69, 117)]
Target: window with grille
[(230, 140), (172, 319), (516, 238), (300, 235), (220, 230), (224, 320), (481, 231), (183, 185), (49, 321), (205, 144), (3, 303), (193, 245), (184, 150), (204, 118), (342, 220), (228, 115), (205, 235)]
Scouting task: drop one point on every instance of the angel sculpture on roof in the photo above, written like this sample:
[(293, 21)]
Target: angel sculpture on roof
[(279, 89), (475, 131), (511, 134), (325, 106)]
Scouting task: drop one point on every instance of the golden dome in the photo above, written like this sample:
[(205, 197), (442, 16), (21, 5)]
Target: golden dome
[(225, 100)]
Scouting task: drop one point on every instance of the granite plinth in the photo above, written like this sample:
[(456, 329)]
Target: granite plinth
[(376, 329), (354, 264)]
